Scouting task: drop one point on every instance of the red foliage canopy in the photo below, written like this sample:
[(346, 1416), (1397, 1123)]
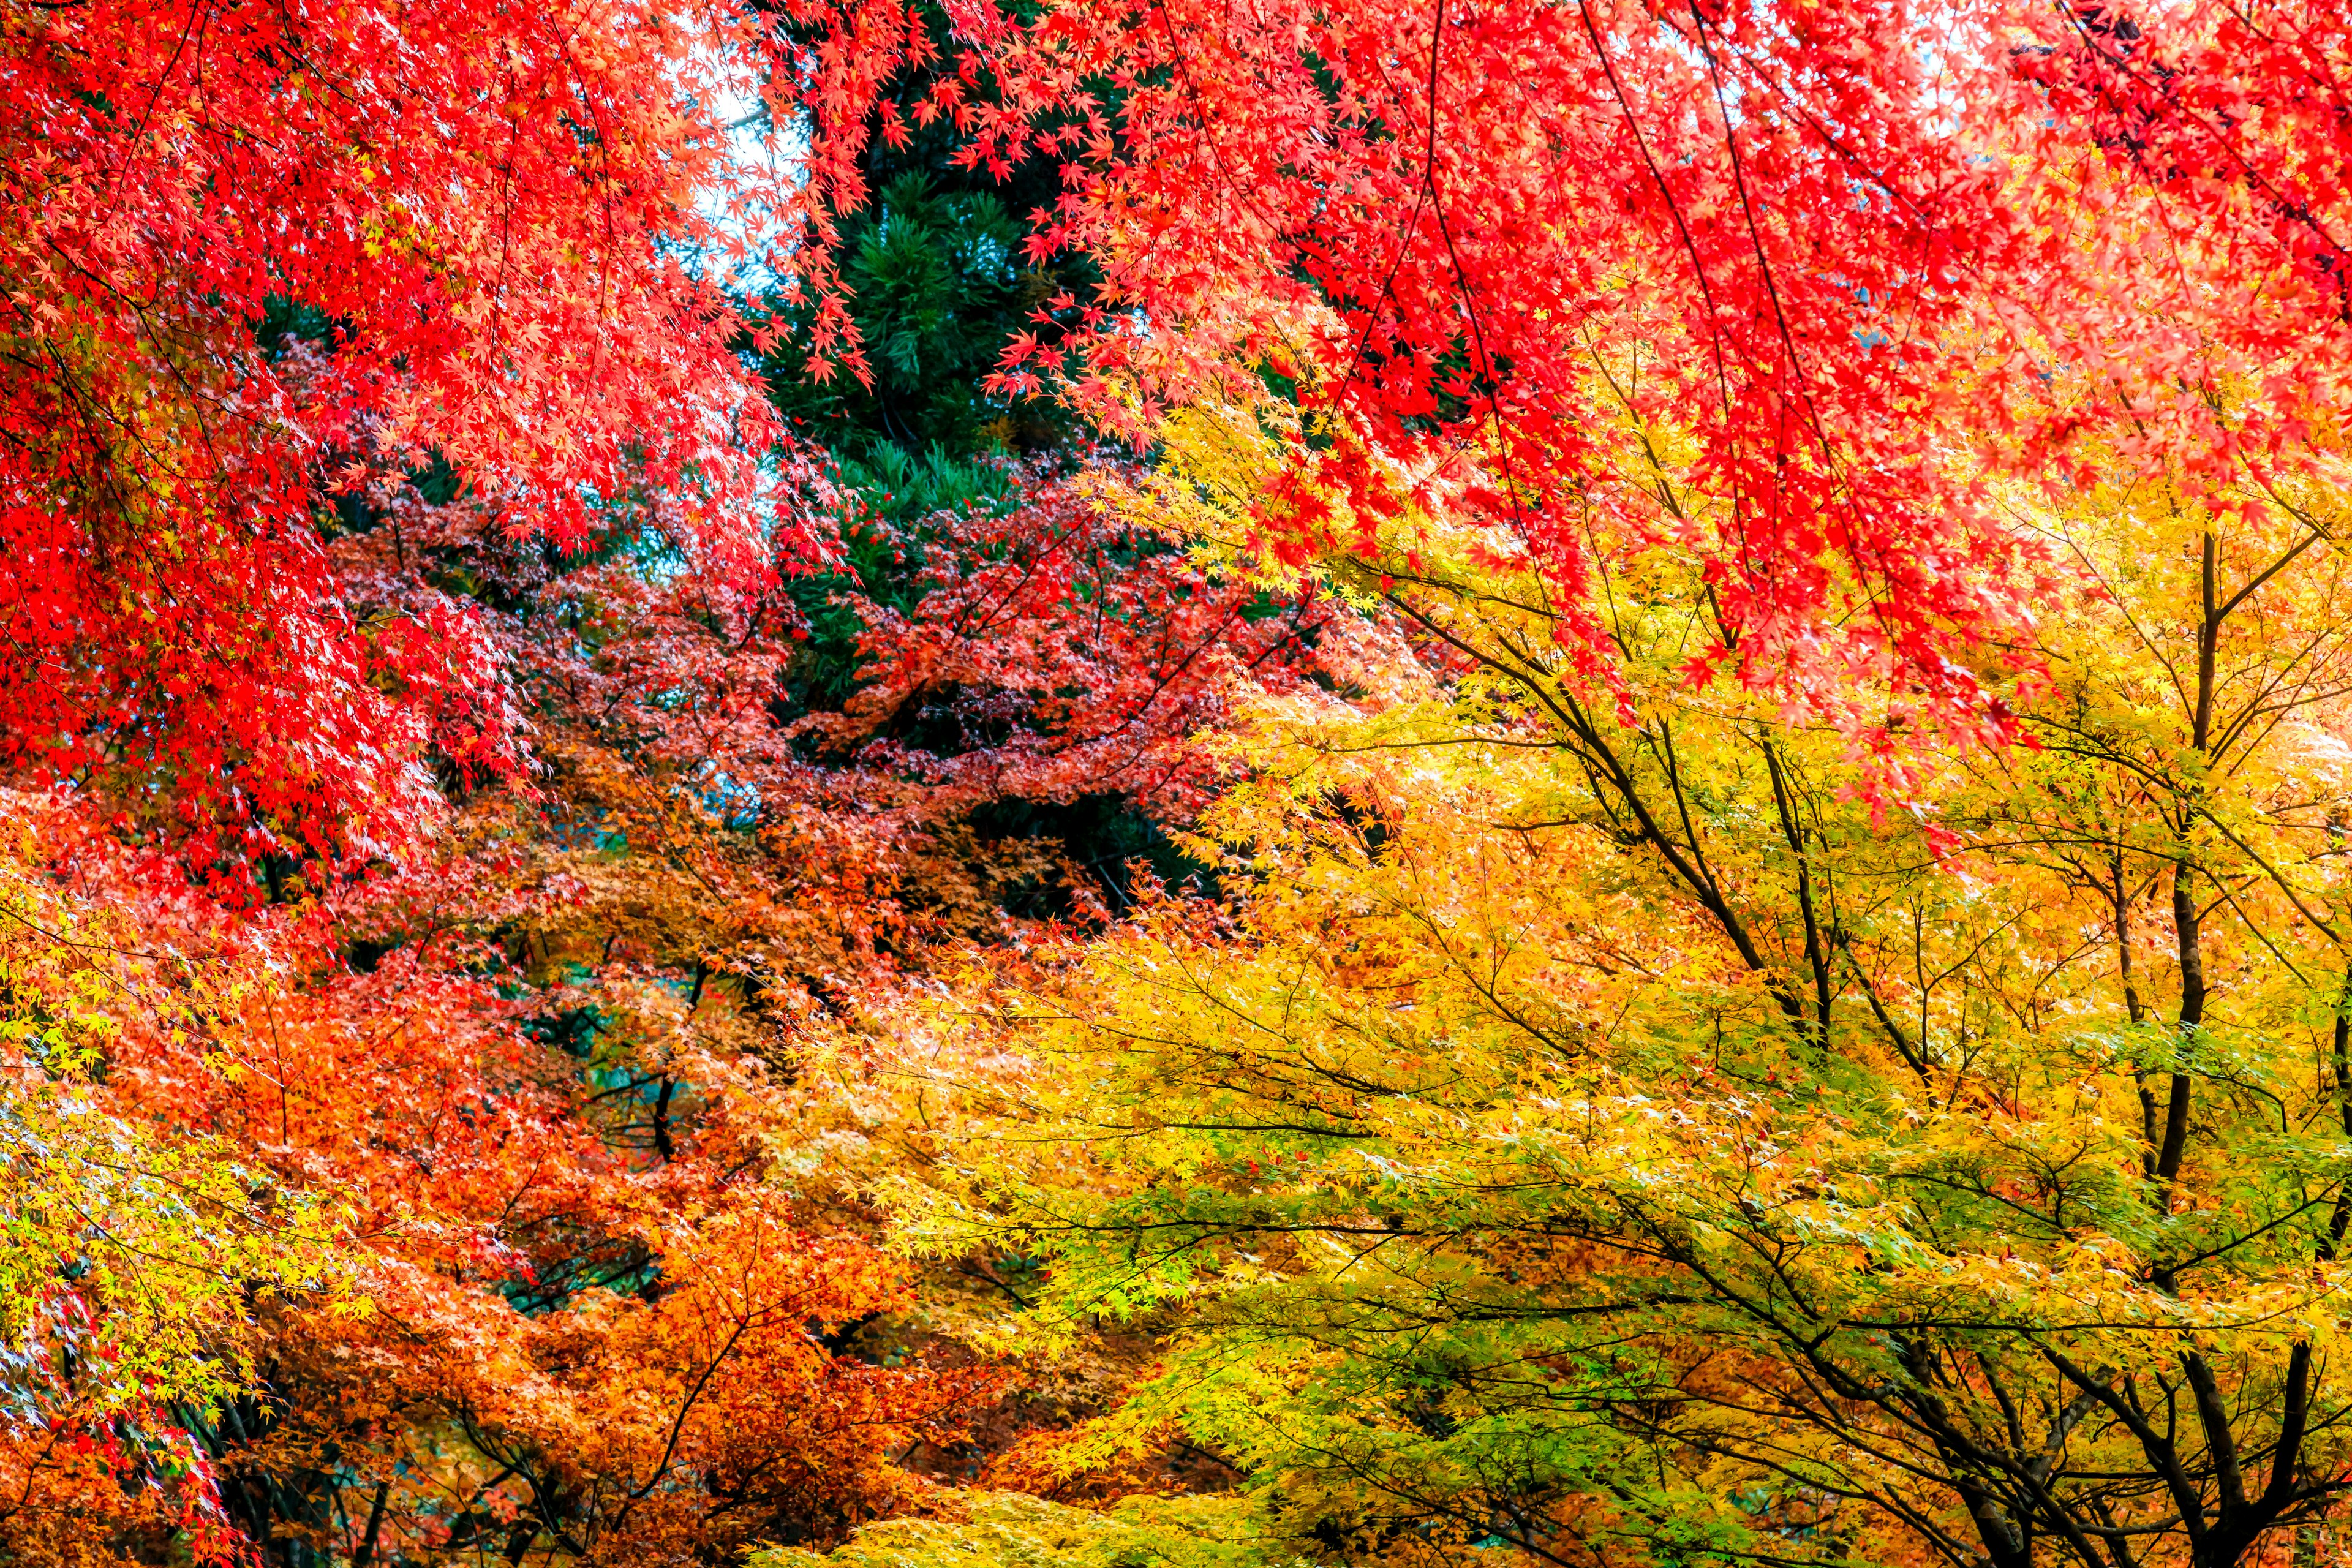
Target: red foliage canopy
[(259, 256), (1863, 252)]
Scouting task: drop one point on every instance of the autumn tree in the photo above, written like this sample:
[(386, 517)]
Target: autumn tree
[(132, 1250), (257, 259), (1608, 1133), (1611, 1132), (285, 290)]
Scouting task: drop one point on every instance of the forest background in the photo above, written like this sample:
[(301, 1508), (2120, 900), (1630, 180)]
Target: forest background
[(1140, 782)]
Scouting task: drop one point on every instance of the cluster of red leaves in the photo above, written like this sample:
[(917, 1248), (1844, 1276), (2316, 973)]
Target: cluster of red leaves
[(1055, 653), (2195, 220), (1858, 252), (1473, 234), (1849, 250), (256, 255), (1044, 655)]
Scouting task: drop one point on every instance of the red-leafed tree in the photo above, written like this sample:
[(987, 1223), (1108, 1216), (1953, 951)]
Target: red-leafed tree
[(543, 1068), (260, 256), (1863, 257)]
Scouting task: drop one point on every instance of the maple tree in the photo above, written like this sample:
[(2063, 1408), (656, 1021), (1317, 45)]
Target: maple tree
[(130, 1248), (597, 1303), (1512, 1267), (509, 1330), (259, 257), (1608, 1138)]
